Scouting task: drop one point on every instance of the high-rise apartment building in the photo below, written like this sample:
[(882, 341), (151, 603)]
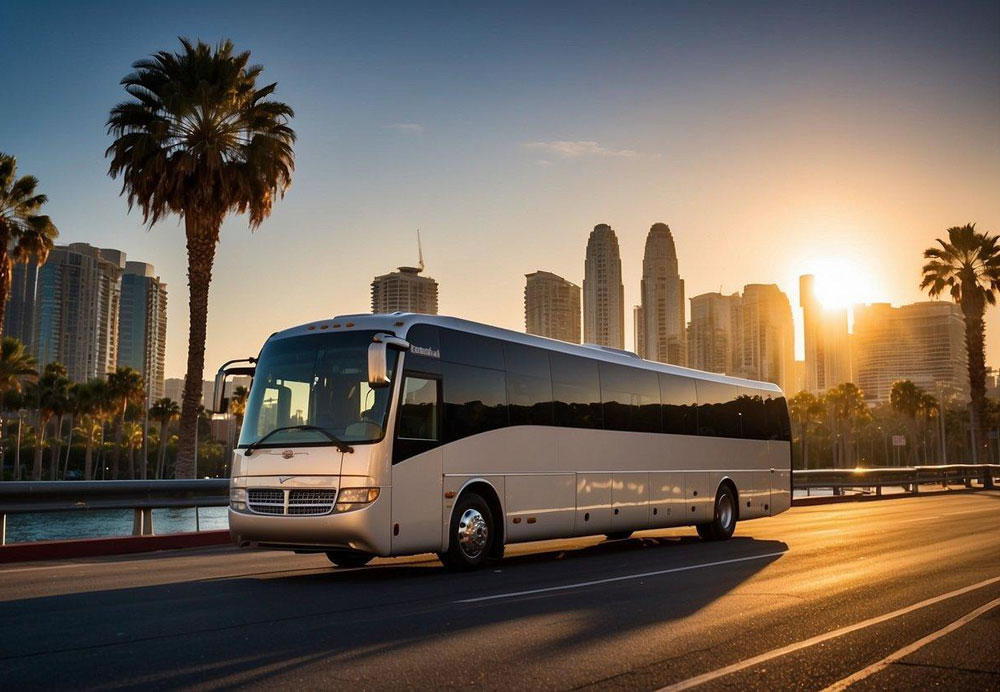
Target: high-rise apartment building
[(663, 308), (715, 333), (603, 292), (405, 291), (551, 307), (827, 349), (639, 330), (77, 310), (768, 335), (142, 325), (19, 317), (922, 342)]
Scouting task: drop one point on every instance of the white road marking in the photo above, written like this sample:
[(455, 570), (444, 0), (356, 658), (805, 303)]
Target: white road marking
[(907, 650), (580, 585), (812, 641)]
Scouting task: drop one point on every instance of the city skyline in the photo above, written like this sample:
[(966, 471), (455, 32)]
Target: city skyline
[(761, 176)]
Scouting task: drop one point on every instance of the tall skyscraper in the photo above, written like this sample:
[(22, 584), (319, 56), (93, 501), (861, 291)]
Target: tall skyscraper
[(922, 342), (142, 325), (768, 335), (551, 307), (663, 305), (405, 291), (603, 292), (715, 333), (19, 318), (77, 310), (827, 349), (639, 330)]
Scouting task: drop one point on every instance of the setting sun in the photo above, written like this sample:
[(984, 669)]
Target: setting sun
[(841, 283)]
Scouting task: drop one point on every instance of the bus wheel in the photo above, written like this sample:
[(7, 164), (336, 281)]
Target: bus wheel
[(618, 535), (349, 558), (724, 522), (471, 534)]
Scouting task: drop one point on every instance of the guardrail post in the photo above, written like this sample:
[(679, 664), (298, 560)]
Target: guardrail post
[(915, 488), (142, 522), (878, 491), (3, 528)]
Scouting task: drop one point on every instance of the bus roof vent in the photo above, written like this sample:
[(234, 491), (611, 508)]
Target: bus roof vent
[(610, 349)]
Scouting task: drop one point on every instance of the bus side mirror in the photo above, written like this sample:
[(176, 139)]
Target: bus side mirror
[(378, 365), (220, 404)]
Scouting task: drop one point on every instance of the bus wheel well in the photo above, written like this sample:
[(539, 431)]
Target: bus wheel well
[(489, 494), (736, 493)]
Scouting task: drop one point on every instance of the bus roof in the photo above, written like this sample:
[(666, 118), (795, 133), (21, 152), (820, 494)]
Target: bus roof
[(399, 323)]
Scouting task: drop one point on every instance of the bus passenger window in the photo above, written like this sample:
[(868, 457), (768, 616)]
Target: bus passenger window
[(418, 414)]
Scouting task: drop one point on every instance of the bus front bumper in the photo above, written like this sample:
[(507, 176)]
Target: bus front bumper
[(365, 528)]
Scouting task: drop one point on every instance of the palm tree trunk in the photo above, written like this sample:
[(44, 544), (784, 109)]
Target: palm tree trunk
[(975, 338), (116, 452), (201, 256), (36, 469), (162, 455), (56, 444), (5, 277), (88, 460), (131, 461), (69, 446)]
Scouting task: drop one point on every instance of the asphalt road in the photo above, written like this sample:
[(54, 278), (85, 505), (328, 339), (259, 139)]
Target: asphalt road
[(800, 601)]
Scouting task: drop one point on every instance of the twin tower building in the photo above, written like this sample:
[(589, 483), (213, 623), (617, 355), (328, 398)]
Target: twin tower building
[(552, 304)]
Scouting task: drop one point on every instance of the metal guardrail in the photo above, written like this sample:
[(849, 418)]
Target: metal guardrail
[(142, 497), (907, 477)]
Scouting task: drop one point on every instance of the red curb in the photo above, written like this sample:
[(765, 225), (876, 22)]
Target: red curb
[(119, 545)]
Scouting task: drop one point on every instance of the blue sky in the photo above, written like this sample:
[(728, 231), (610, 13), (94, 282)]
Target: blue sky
[(774, 138)]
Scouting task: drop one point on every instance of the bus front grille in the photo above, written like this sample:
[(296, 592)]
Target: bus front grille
[(300, 502), (311, 501), (266, 501)]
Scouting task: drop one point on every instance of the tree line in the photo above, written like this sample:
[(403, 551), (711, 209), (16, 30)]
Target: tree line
[(53, 429), (839, 429)]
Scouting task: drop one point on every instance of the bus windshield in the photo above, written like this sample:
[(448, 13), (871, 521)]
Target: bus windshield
[(319, 380)]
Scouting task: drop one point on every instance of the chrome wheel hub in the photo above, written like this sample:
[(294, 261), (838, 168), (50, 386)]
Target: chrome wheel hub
[(473, 533), (725, 510)]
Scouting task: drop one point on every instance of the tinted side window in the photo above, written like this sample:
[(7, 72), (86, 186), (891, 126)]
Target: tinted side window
[(529, 385), (753, 415), (680, 404), (471, 349), (418, 411), (475, 400), (776, 415), (718, 410), (631, 398), (576, 390)]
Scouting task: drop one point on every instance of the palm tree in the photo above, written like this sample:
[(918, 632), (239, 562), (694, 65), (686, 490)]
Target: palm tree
[(201, 140), (16, 367), (125, 386), (806, 409), (163, 411), (91, 403), (847, 409), (49, 396), (24, 233), (967, 265), (907, 399), (133, 440)]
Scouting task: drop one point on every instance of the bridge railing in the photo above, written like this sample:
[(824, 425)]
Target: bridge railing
[(907, 477), (142, 497)]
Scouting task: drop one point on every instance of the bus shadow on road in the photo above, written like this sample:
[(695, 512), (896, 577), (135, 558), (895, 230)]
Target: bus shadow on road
[(550, 602)]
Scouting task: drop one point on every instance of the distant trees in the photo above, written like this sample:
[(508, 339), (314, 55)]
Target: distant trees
[(125, 386), (806, 410), (967, 267), (201, 139), (25, 233), (163, 411)]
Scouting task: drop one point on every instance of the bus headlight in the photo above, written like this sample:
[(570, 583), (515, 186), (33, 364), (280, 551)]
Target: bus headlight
[(355, 498), (238, 498)]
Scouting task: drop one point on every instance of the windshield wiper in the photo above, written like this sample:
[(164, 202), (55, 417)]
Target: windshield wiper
[(340, 445)]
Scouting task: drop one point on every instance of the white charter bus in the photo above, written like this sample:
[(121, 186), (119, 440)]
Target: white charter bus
[(398, 434)]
